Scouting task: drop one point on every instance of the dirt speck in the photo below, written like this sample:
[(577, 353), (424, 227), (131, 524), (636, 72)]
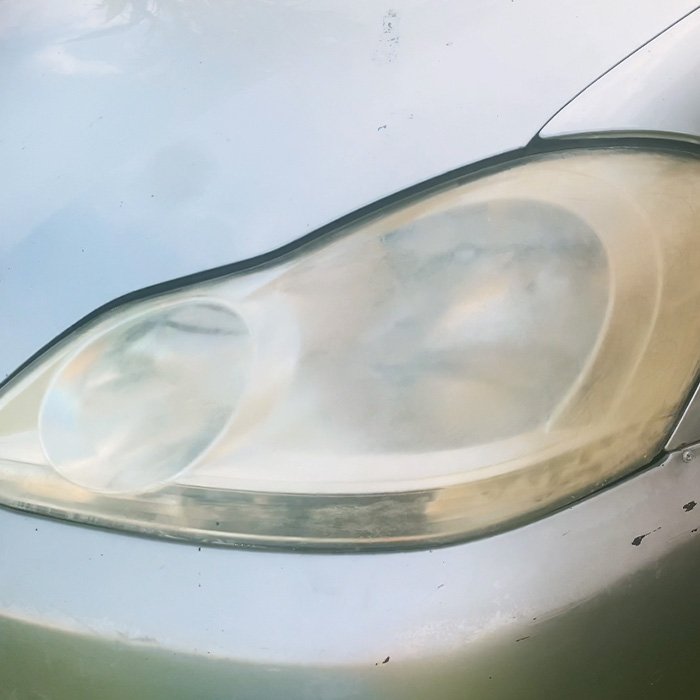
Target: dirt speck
[(689, 506), (389, 46)]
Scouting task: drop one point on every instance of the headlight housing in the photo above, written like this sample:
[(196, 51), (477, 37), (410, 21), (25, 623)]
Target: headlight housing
[(454, 363)]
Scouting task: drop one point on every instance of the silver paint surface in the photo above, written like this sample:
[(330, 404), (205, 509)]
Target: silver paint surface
[(599, 588), (143, 141), (656, 90), (687, 430)]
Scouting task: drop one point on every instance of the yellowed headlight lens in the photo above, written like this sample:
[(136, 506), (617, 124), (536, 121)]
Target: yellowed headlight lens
[(457, 362)]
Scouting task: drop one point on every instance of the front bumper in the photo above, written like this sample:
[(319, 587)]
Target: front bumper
[(596, 601)]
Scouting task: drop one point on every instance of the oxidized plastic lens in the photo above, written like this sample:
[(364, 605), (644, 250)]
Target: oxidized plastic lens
[(142, 401), (458, 362)]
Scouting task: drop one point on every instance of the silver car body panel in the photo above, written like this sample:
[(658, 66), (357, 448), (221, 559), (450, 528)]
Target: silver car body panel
[(656, 90), (146, 141), (597, 600), (688, 429)]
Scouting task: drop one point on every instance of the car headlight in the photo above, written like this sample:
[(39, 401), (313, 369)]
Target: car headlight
[(457, 361)]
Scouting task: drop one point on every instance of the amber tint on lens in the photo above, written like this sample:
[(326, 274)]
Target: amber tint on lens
[(461, 361)]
